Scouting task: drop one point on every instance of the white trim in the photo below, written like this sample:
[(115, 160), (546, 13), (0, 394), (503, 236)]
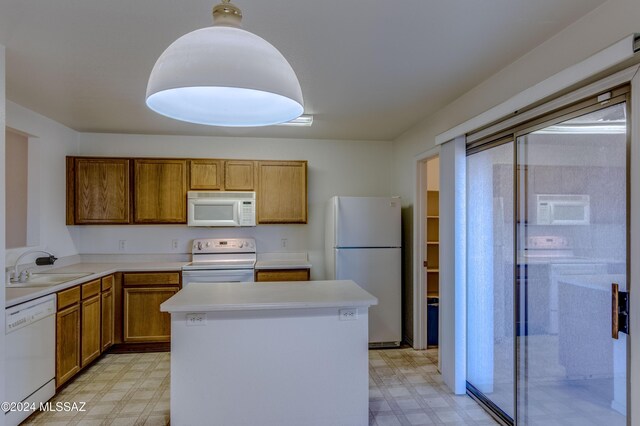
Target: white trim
[(453, 314), (419, 244), (633, 340), (599, 86), (595, 64)]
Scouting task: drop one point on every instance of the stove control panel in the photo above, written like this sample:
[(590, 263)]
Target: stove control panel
[(219, 245)]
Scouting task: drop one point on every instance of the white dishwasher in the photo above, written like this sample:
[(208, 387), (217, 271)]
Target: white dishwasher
[(30, 357)]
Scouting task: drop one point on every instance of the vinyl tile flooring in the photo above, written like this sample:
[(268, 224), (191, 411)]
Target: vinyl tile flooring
[(133, 389)]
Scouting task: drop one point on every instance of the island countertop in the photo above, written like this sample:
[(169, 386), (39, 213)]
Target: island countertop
[(211, 297)]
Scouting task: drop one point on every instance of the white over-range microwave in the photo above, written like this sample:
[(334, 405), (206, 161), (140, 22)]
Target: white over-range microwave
[(559, 209), (221, 208)]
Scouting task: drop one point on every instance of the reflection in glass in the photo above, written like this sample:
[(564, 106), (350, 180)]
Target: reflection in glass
[(570, 370)]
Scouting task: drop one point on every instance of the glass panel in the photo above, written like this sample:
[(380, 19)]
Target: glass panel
[(213, 212), (490, 271), (570, 370)]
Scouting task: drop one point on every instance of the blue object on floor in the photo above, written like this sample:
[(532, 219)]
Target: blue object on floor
[(432, 321)]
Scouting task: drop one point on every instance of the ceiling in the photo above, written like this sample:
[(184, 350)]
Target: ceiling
[(369, 69)]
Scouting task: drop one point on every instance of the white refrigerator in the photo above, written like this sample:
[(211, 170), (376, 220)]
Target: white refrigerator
[(363, 244)]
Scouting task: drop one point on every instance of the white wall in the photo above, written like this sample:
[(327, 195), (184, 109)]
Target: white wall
[(2, 219), (335, 167), (49, 143), (600, 28)]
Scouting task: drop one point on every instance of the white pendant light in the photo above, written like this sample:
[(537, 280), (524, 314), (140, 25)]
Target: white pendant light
[(224, 76)]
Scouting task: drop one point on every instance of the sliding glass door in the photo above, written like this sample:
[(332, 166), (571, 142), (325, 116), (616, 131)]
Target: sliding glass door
[(490, 284), (546, 248)]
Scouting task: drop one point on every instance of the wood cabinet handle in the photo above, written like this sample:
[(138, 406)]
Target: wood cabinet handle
[(615, 326)]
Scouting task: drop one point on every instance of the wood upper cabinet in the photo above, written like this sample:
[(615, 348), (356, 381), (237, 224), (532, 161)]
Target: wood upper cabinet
[(143, 295), (205, 174), (239, 175), (98, 191), (160, 191), (282, 192)]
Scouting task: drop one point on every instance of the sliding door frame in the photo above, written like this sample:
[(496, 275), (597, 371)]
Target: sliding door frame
[(624, 92)]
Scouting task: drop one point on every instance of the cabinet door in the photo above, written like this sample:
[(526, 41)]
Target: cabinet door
[(106, 339), (282, 192), (101, 190), (160, 191), (239, 175), (143, 321), (206, 174), (67, 343), (90, 329)]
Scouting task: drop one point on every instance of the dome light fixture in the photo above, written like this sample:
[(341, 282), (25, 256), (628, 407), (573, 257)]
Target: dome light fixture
[(224, 76)]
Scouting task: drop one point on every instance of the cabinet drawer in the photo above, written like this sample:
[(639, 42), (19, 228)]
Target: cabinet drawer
[(283, 275), (68, 297), (90, 289), (153, 278), (107, 282)]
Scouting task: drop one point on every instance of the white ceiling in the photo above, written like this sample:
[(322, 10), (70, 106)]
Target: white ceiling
[(369, 69)]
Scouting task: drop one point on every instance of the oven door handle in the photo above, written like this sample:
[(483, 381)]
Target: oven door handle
[(214, 272)]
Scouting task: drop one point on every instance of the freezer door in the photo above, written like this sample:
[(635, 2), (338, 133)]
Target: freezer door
[(367, 222), (378, 272)]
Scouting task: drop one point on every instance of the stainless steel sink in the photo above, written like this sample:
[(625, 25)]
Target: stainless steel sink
[(48, 279)]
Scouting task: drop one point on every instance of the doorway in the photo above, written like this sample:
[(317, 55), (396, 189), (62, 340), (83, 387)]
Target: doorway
[(547, 251), (427, 306)]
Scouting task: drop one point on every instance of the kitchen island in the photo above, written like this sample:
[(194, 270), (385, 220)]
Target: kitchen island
[(278, 353)]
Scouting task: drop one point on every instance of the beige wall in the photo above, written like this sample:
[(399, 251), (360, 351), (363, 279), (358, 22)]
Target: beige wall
[(16, 186), (49, 143), (335, 167), (600, 28)]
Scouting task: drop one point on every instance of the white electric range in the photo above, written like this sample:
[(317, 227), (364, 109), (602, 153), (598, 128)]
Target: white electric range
[(221, 260)]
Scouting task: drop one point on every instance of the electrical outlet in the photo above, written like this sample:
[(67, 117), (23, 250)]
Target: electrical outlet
[(122, 245), (283, 243), (349, 314), (196, 319), (174, 244)]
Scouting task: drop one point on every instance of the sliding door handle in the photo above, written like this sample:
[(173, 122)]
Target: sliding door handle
[(615, 327), (619, 311)]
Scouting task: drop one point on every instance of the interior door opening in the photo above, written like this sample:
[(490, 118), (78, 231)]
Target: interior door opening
[(429, 244)]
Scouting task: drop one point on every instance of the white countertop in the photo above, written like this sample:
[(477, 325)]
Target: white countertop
[(282, 261), (600, 282), (16, 295), (210, 297)]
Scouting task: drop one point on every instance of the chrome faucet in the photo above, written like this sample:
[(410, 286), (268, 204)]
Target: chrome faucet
[(22, 276)]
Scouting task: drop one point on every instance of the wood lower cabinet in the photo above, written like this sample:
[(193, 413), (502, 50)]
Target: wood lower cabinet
[(143, 321), (67, 343), (160, 191), (282, 192), (90, 329), (143, 293), (98, 191), (266, 275), (84, 326), (107, 313), (205, 174), (239, 175)]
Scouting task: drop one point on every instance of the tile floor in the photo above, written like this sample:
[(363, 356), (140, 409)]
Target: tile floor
[(133, 389)]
